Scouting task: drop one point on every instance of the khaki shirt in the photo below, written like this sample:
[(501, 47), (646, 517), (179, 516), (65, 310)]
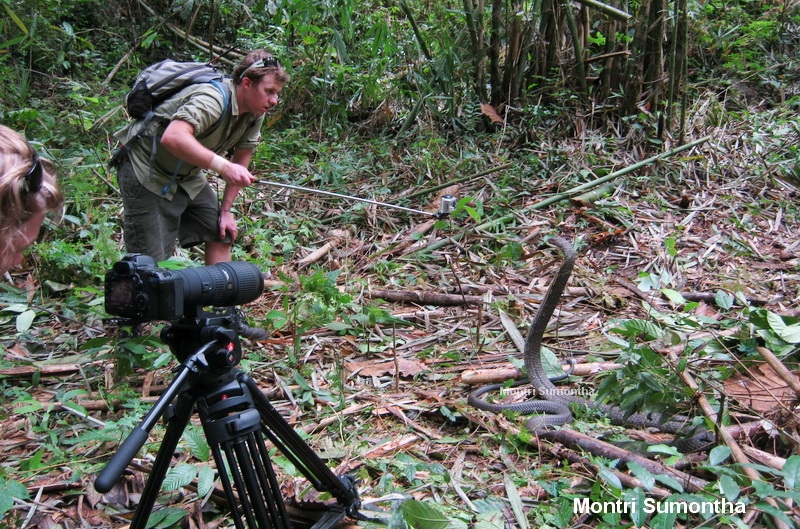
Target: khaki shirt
[(201, 106)]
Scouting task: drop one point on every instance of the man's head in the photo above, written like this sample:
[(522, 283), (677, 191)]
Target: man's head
[(259, 79)]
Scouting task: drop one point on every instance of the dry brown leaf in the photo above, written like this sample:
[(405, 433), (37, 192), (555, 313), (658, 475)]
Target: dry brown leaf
[(490, 112), (704, 309), (761, 389)]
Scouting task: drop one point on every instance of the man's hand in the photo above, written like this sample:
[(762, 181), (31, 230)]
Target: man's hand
[(227, 225), (237, 175)]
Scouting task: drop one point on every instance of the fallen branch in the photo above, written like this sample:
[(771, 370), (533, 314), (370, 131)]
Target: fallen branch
[(191, 39), (711, 298), (315, 256), (579, 441), (30, 370), (381, 450), (765, 458), (747, 430), (629, 481), (478, 377), (495, 375), (608, 10), (319, 253), (425, 298), (412, 238), (780, 369), (115, 69), (705, 297)]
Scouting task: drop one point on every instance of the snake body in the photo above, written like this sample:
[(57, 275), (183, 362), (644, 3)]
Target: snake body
[(554, 409)]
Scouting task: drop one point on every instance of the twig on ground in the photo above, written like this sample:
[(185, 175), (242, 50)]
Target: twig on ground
[(425, 298), (780, 369)]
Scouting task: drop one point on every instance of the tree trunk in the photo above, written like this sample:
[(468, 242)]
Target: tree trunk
[(494, 52)]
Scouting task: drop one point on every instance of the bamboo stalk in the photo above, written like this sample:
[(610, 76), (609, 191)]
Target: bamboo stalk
[(594, 195), (493, 51), (613, 12), (684, 93), (616, 174), (415, 29), (577, 46), (780, 369), (472, 27), (425, 298)]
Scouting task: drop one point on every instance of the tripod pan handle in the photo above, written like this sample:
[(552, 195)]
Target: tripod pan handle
[(119, 461)]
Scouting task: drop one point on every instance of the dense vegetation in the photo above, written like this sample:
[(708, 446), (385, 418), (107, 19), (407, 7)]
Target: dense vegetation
[(513, 106)]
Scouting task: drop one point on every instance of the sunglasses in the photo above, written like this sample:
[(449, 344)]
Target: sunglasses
[(32, 181), (266, 62)]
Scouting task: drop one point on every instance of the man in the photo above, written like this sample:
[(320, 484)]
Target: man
[(165, 193)]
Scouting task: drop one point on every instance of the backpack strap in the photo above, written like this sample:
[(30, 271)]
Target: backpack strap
[(120, 153), (226, 108)]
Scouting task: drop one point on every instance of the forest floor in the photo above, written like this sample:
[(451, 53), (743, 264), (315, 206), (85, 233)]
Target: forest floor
[(388, 403)]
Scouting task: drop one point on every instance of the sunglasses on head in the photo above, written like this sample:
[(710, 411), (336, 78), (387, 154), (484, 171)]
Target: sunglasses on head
[(32, 181), (266, 62)]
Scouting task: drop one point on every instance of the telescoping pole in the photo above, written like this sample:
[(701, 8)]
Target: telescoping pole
[(447, 206)]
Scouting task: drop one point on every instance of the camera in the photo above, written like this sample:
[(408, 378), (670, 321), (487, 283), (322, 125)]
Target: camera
[(136, 288), (448, 204)]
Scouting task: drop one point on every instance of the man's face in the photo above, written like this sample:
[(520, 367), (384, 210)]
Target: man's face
[(259, 97)]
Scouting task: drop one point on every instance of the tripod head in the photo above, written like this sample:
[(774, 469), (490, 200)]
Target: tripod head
[(208, 349), (187, 335), (216, 354)]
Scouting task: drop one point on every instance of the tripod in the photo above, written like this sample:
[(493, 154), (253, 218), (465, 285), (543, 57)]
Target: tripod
[(236, 418)]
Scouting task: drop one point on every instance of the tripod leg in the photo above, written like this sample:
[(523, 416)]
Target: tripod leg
[(249, 465), (243, 462), (264, 477), (283, 436), (175, 426)]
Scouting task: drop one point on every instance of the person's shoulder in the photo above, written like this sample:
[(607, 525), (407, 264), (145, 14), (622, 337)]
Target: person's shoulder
[(204, 90)]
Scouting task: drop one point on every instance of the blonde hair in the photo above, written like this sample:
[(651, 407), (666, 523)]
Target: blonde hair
[(17, 204)]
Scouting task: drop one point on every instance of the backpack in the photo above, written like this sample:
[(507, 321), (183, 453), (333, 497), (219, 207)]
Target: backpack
[(160, 81), (157, 83)]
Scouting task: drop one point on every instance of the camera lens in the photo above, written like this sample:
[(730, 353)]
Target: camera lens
[(222, 284)]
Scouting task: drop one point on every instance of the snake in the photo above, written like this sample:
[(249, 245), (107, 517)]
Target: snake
[(554, 407)]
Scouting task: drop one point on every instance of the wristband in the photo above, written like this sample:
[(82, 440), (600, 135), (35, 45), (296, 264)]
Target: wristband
[(218, 164)]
